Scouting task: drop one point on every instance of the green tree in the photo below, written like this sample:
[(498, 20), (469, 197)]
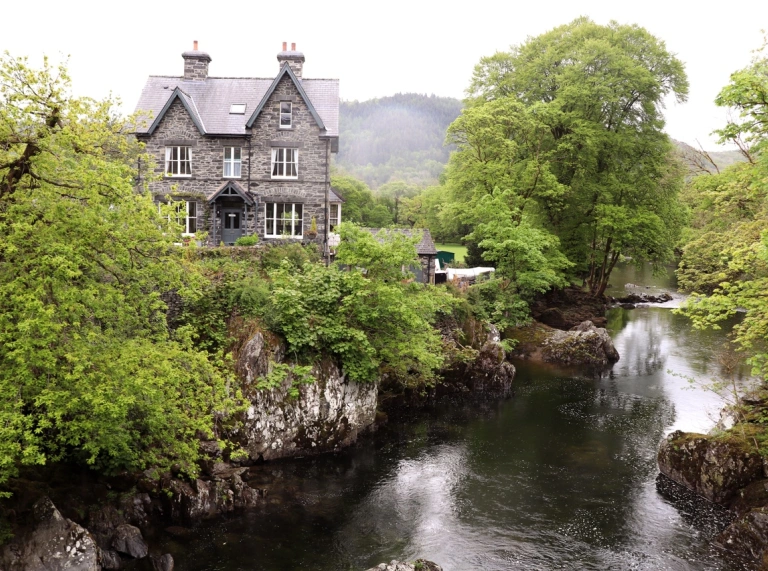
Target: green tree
[(568, 126), (725, 260), (360, 204), (88, 371)]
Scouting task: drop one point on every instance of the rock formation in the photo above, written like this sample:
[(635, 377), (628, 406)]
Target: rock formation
[(418, 565), (53, 544)]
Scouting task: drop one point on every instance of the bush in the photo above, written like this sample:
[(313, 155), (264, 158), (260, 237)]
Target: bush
[(251, 240), (294, 252)]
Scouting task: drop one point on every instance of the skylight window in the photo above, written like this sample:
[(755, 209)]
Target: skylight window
[(237, 109)]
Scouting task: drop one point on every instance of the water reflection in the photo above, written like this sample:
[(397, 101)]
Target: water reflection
[(562, 476)]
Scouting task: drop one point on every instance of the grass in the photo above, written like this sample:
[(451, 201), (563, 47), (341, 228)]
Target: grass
[(459, 250)]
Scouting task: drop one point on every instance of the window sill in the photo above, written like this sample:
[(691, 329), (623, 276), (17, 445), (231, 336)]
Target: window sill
[(232, 177), (281, 237), (284, 178), (177, 176)]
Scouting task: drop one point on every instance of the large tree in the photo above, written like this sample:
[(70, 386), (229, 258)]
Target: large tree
[(725, 259), (568, 126), (88, 369)]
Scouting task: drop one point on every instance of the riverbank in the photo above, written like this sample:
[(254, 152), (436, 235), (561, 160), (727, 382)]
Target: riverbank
[(729, 467)]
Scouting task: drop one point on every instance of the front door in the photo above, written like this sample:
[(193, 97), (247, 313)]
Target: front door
[(232, 226)]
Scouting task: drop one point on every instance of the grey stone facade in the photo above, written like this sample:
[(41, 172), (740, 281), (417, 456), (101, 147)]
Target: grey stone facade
[(198, 115)]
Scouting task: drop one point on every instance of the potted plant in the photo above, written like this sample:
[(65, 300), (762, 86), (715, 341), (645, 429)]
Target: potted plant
[(312, 232)]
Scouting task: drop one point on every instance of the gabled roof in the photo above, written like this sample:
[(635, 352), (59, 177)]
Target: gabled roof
[(333, 197), (188, 104), (208, 102), (231, 188), (425, 247), (286, 70)]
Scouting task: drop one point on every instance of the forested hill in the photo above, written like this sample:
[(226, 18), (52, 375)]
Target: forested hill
[(396, 138)]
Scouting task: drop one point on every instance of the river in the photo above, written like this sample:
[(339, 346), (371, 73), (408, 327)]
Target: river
[(561, 476)]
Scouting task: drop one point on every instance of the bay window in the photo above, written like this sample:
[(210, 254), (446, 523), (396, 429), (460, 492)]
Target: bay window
[(283, 220)]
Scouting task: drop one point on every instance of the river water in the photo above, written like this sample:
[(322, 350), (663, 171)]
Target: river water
[(561, 476)]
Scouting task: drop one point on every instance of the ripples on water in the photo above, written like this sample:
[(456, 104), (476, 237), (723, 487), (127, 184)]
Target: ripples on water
[(562, 476)]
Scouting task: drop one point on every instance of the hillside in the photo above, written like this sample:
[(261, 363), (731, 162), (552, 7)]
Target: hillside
[(396, 138), (699, 162)]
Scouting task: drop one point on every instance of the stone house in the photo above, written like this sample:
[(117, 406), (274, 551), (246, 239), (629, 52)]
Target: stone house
[(243, 156)]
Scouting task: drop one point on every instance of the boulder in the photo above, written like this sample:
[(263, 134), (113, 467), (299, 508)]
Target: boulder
[(162, 562), (714, 468), (584, 344), (128, 540), (418, 565), (205, 499), (110, 559), (53, 544), (748, 536), (488, 375)]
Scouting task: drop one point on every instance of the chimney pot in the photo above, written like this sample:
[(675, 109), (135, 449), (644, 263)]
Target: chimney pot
[(194, 44), (292, 58)]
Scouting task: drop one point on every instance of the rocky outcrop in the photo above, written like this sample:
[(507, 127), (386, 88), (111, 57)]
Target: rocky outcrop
[(566, 308), (418, 565), (53, 544), (487, 375), (727, 472), (584, 344), (635, 298), (128, 540), (748, 536), (206, 499), (716, 469), (327, 415)]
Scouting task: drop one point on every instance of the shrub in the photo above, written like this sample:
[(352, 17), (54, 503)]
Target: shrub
[(251, 240)]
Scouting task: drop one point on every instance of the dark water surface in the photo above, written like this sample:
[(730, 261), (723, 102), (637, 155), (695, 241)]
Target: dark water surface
[(562, 476)]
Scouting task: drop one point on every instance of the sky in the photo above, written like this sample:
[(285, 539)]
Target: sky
[(374, 49)]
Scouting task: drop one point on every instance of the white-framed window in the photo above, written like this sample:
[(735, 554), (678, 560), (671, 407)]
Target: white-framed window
[(285, 163), (186, 215), (178, 161), (335, 218), (283, 220), (286, 115), (232, 162)]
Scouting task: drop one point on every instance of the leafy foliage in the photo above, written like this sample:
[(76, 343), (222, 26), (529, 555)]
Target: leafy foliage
[(725, 260), (88, 371), (374, 320), (565, 132)]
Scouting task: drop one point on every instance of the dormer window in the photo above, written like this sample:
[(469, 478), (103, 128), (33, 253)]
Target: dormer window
[(286, 114), (237, 109)]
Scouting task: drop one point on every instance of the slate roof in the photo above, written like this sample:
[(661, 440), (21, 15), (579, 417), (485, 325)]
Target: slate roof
[(426, 247), (211, 98), (333, 197)]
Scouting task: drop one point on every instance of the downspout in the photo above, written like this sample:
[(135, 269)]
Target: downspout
[(248, 189), (326, 247)]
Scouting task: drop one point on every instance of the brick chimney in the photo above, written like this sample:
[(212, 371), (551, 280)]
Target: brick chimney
[(196, 64), (291, 57)]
